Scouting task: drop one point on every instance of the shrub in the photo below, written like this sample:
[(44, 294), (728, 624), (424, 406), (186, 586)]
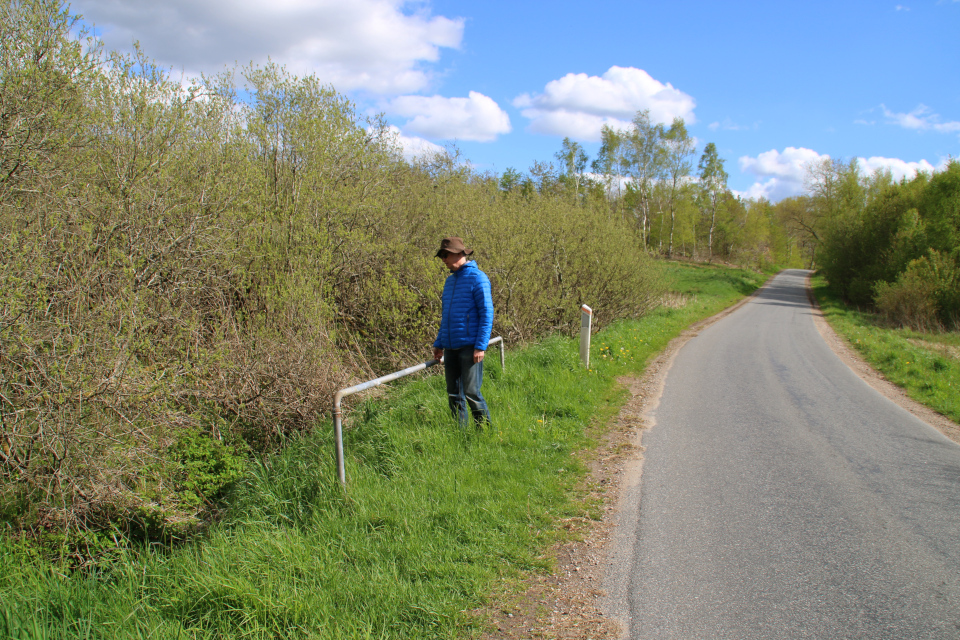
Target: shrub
[(925, 297), (174, 257)]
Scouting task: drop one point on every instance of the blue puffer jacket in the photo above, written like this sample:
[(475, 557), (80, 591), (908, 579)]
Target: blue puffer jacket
[(467, 317)]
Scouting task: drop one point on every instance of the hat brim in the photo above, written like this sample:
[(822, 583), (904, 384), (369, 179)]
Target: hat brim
[(466, 252)]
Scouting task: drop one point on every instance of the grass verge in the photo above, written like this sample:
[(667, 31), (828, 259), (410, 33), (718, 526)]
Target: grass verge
[(433, 519), (925, 365)]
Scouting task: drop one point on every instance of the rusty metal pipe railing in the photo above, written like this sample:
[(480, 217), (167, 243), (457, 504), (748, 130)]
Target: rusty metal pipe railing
[(340, 395)]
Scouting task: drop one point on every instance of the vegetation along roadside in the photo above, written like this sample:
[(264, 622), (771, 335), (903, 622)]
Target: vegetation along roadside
[(189, 268), (435, 519), (926, 364)]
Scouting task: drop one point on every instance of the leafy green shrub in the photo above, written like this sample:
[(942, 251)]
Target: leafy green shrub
[(876, 242), (207, 465), (168, 246), (925, 297), (908, 302)]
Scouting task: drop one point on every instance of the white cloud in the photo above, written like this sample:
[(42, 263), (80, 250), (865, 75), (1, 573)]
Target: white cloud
[(414, 147), (476, 117), (781, 175), (578, 105), (789, 165), (360, 44), (899, 169), (771, 189), (922, 119)]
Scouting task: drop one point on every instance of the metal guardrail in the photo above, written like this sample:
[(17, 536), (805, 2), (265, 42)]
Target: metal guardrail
[(340, 395)]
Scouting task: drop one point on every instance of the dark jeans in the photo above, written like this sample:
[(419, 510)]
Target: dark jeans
[(464, 378)]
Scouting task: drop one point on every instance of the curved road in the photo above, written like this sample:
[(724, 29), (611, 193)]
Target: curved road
[(782, 497)]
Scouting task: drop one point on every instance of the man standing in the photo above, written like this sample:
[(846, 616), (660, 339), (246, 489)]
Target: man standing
[(465, 325)]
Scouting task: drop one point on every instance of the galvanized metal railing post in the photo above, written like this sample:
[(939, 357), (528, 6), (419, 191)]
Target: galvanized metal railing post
[(338, 437), (340, 395)]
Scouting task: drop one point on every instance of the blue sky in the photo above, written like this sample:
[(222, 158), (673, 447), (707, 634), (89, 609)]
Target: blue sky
[(775, 85)]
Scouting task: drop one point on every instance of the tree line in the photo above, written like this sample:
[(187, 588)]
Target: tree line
[(645, 175), (893, 247), (888, 246)]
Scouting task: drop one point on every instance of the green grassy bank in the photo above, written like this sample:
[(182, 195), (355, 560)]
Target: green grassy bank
[(926, 365), (433, 519)]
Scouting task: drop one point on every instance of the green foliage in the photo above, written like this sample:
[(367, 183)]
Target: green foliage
[(573, 159), (176, 261), (899, 247), (207, 464), (926, 296), (644, 178), (434, 518), (713, 187), (926, 365), (43, 73)]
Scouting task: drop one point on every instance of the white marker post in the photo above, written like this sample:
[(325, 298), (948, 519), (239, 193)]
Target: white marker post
[(586, 319)]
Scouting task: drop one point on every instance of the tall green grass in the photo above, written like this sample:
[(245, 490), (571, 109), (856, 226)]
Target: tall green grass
[(434, 516), (925, 365)]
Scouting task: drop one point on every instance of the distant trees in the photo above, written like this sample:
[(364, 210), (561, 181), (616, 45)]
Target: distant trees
[(644, 175), (803, 220), (679, 147), (646, 163), (895, 246)]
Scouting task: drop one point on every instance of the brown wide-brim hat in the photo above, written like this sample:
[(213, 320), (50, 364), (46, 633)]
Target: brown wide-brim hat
[(453, 245)]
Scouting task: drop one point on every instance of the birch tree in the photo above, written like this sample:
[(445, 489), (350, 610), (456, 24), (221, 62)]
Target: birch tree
[(646, 161), (713, 186), (573, 161), (679, 147), (612, 162)]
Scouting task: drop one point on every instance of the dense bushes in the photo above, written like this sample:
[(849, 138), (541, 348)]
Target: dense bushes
[(184, 274), (900, 250), (926, 296)]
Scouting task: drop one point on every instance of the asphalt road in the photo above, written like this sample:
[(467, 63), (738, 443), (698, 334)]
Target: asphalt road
[(782, 497)]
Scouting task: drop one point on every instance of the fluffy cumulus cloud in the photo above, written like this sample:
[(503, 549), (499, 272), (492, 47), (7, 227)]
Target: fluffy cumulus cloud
[(899, 169), (362, 44), (779, 174), (783, 174), (477, 117), (578, 105), (414, 147)]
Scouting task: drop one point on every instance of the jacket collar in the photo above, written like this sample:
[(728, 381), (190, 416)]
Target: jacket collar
[(469, 264)]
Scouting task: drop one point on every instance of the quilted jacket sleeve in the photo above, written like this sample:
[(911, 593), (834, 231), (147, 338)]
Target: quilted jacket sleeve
[(484, 302)]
